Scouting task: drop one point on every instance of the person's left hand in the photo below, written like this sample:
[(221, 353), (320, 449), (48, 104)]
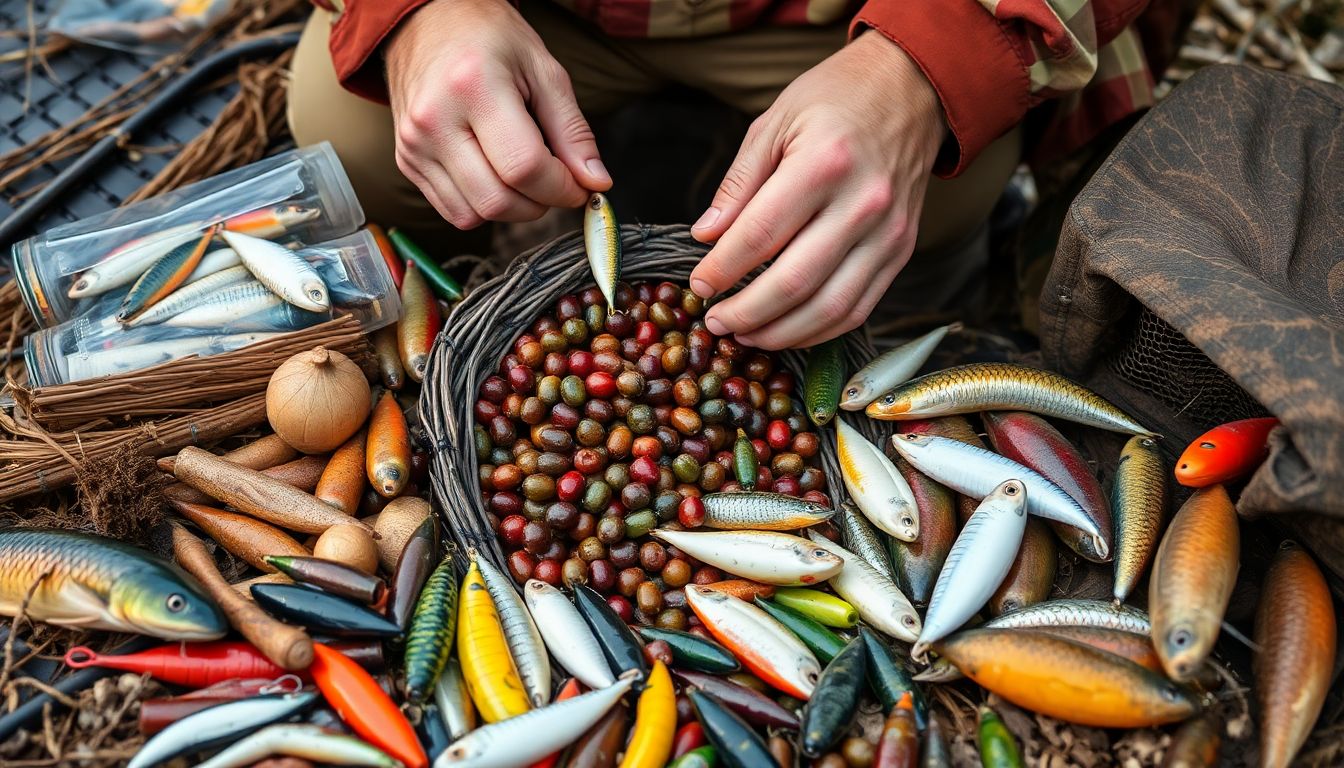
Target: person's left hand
[(830, 179)]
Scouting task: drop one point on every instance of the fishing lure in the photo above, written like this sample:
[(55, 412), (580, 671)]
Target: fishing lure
[(1225, 453), (273, 221), (998, 748), (1295, 630), (689, 736), (1127, 645), (430, 640), (915, 565), (936, 753), (530, 736), (1067, 680), (859, 537), (735, 742), (164, 276), (874, 595), (388, 455), (285, 272), (444, 285), (892, 368), (127, 262), (309, 742), (454, 704), (1193, 575), (569, 690), (411, 570), (599, 747), (567, 635), (196, 665), (1001, 387), (1032, 574), (832, 706), (878, 489), (749, 704), (977, 472), (980, 559), (761, 511), (700, 757), (824, 374), (1032, 442), (92, 582), (899, 744), (822, 642), (1138, 502), (602, 241), (387, 350), (620, 647), (216, 260), (764, 646), (342, 482), (218, 725), (889, 679), (226, 306), (395, 266), (363, 705), (320, 612), (655, 718), (773, 558), (693, 651), (492, 679), (818, 606), (190, 295), (744, 461), (419, 325), (520, 632)]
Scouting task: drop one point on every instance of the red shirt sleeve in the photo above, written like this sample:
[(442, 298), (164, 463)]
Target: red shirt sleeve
[(979, 61), (355, 38)]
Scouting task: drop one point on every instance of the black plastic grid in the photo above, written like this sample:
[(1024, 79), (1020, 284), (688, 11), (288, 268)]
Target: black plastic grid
[(83, 76)]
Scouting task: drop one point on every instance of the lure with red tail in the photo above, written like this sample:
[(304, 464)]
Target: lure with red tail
[(1225, 453), (194, 665)]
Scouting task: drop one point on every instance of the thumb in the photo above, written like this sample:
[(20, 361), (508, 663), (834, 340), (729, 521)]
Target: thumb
[(567, 131), (754, 163)]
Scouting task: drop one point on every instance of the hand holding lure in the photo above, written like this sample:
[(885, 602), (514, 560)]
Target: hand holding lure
[(602, 241)]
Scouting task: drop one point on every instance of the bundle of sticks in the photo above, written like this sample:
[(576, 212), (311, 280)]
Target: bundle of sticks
[(1305, 37)]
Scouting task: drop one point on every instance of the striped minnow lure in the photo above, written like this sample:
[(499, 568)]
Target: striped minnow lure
[(980, 559), (220, 724), (874, 595), (164, 276), (285, 272), (859, 537), (310, 742), (92, 582), (761, 511), (1001, 387), (891, 369), (602, 241), (1138, 503), (520, 632), (567, 635), (190, 295), (430, 639), (880, 492), (245, 306), (822, 379), (272, 221), (531, 736), (124, 264), (781, 559), (977, 471)]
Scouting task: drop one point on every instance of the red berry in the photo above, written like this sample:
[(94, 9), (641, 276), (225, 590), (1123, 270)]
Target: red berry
[(778, 435), (622, 607), (644, 470), (732, 486), (646, 446), (735, 389), (570, 486), (762, 451), (600, 384), (547, 571), (817, 497), (521, 379), (589, 461), (485, 411), (647, 333), (580, 362), (764, 477), (787, 485), (511, 530), (691, 512), (494, 389), (521, 565)]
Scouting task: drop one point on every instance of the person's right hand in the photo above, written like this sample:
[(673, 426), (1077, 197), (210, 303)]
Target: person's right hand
[(486, 121)]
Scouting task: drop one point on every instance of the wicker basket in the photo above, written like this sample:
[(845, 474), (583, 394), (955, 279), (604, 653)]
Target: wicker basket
[(483, 327)]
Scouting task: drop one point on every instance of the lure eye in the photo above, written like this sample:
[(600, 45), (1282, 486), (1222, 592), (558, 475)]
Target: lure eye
[(889, 399), (852, 391), (1147, 442), (907, 521), (1169, 693), (1181, 638), (595, 202), (176, 603), (1206, 445), (820, 553), (908, 621), (1011, 490)]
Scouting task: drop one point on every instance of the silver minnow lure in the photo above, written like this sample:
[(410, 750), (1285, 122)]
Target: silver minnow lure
[(285, 272), (125, 265), (217, 725), (891, 369), (761, 511), (224, 305), (765, 556), (976, 472), (520, 633), (310, 742), (567, 635), (602, 241), (977, 564), (861, 538), (190, 295), (874, 595)]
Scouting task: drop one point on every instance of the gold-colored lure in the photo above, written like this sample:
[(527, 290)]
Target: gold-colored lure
[(602, 241)]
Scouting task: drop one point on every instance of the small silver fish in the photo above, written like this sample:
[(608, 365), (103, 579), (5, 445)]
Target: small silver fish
[(285, 272), (225, 305), (126, 263), (891, 369), (602, 241), (190, 295)]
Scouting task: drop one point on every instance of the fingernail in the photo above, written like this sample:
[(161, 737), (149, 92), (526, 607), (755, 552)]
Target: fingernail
[(701, 288), (597, 170), (707, 219), (716, 326)]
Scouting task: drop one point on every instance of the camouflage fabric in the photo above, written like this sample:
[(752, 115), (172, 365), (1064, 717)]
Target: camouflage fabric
[(1200, 279)]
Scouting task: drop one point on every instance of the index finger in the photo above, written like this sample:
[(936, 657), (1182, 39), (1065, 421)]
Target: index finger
[(512, 142)]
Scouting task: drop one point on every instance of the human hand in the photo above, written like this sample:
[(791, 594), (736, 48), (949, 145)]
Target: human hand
[(462, 76), (830, 183)]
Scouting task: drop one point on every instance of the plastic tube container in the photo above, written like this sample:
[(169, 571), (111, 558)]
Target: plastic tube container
[(302, 195), (95, 344)]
